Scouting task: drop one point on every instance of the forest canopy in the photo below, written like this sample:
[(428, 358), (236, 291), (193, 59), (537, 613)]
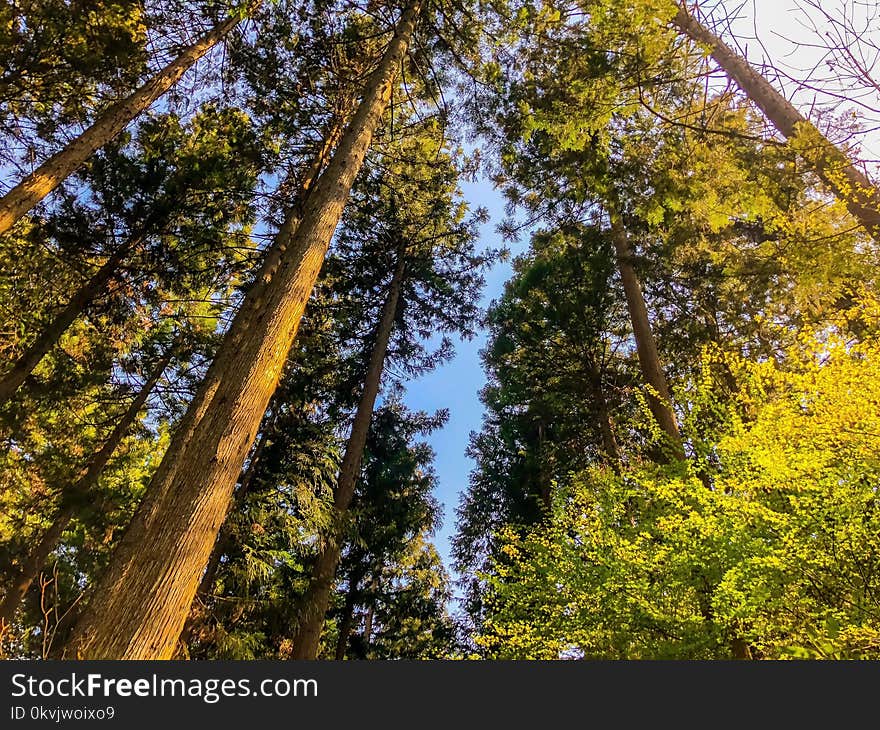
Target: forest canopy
[(237, 235)]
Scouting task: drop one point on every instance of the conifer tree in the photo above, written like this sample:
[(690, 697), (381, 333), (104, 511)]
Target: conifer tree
[(148, 588), (428, 247), (177, 198), (42, 181)]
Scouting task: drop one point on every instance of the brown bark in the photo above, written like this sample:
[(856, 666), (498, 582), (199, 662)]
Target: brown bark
[(197, 613), (36, 186), (659, 400), (254, 303), (268, 268), (833, 167), (73, 498), (317, 599), (139, 607), (545, 481), (206, 584), (740, 649), (275, 254)]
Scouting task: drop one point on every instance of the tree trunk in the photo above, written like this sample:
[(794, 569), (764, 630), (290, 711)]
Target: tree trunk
[(256, 293), (197, 611), (347, 622), (252, 307), (36, 186), (833, 167), (606, 426), (223, 539), (659, 400), (368, 629), (740, 649), (293, 215), (139, 607), (24, 366), (72, 499), (545, 480), (317, 598)]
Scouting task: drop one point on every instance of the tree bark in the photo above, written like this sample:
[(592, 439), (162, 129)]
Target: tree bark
[(368, 629), (72, 499), (36, 186), (256, 293), (197, 611), (255, 301), (139, 607), (224, 538), (834, 168), (659, 400), (317, 599)]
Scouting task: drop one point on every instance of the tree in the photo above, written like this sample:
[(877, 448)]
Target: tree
[(78, 493), (42, 181), (318, 598), (178, 198), (781, 546), (403, 612), (559, 396), (248, 597), (60, 60), (394, 582), (843, 178), (436, 275), (584, 140), (210, 323), (171, 536)]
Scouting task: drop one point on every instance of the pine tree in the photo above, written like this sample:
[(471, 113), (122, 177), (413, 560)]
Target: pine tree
[(42, 181), (428, 246), (179, 197), (189, 495)]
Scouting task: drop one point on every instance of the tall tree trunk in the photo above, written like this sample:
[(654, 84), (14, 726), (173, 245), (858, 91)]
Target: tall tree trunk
[(368, 629), (317, 598), (225, 537), (833, 167), (347, 622), (545, 480), (36, 186), (254, 303), (197, 613), (138, 608), (659, 400), (293, 216), (24, 366), (256, 293), (73, 498), (606, 425)]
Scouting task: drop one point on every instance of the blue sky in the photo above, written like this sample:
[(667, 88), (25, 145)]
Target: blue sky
[(456, 384)]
